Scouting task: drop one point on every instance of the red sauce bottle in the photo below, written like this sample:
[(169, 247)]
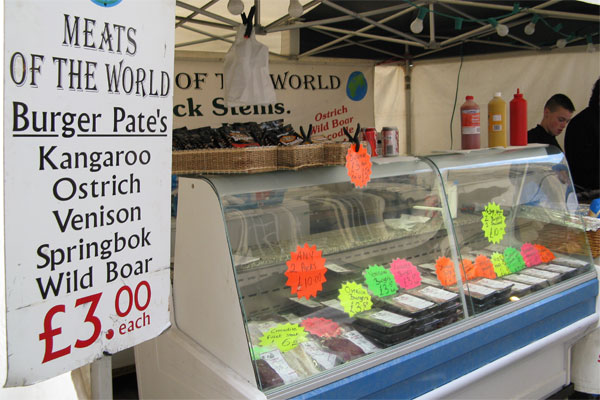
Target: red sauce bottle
[(518, 120), (470, 125)]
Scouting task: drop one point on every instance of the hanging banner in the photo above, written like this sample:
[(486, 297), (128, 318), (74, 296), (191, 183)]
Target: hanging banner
[(87, 159), (328, 95)]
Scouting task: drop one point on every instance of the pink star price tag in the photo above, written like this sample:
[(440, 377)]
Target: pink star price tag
[(405, 273)]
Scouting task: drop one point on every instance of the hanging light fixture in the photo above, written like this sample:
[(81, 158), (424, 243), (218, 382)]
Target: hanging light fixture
[(501, 29), (236, 7), (295, 9), (417, 25), (530, 27)]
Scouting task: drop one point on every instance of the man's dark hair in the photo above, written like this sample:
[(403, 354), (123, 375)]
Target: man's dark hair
[(559, 100)]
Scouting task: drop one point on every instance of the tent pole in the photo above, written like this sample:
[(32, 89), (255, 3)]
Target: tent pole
[(431, 25), (408, 105), (101, 378), (364, 29)]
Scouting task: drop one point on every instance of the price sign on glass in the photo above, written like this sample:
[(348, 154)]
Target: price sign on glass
[(358, 165), (355, 298), (493, 223), (406, 273)]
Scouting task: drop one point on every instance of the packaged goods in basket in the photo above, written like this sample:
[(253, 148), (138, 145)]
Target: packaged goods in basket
[(232, 148)]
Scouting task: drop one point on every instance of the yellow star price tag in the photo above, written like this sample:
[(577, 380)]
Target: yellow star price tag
[(493, 223)]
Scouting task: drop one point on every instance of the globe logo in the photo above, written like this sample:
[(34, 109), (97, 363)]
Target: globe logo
[(356, 88), (106, 3)]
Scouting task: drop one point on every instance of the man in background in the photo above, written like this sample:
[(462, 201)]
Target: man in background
[(582, 148), (558, 111)]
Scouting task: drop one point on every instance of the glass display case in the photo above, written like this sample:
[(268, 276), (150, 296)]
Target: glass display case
[(298, 279)]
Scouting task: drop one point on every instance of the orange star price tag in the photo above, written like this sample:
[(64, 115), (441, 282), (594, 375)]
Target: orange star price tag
[(358, 164), (545, 254), (467, 268), (444, 269), (306, 271), (484, 268)]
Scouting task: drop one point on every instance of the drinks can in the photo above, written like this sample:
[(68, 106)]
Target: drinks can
[(390, 141), (370, 136)]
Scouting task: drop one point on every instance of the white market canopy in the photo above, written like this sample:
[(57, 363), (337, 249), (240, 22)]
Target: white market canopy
[(391, 30)]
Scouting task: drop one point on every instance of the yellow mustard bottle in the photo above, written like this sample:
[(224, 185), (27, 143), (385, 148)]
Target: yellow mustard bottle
[(497, 121)]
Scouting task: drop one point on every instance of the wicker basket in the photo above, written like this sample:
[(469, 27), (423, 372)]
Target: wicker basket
[(592, 230), (225, 161), (594, 240), (569, 240), (300, 156)]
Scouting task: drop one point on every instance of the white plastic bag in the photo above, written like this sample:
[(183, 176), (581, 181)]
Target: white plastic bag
[(246, 72)]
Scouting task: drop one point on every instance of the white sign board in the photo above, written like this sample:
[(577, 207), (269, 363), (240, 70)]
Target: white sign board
[(87, 159), (327, 95)]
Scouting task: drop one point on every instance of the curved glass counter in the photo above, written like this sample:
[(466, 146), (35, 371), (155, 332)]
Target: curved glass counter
[(332, 279)]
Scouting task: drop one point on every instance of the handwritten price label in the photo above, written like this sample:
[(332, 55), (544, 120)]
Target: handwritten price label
[(493, 223), (500, 267), (484, 268), (545, 254), (306, 271), (467, 269), (124, 302), (444, 269), (285, 337), (321, 327), (530, 255), (355, 298), (380, 281), (405, 273), (358, 165), (513, 259)]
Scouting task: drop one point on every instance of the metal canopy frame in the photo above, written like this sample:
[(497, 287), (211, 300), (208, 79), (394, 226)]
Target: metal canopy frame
[(369, 31)]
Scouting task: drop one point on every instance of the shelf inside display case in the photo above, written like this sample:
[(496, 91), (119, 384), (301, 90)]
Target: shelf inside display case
[(293, 279)]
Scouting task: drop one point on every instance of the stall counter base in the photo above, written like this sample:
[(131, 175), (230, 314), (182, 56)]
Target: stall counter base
[(568, 313), (470, 364)]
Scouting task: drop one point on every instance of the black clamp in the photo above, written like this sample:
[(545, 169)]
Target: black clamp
[(306, 137), (248, 22), (353, 139)]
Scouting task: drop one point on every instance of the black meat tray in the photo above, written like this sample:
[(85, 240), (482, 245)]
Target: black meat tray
[(370, 319), (563, 270), (571, 262), (551, 277), (383, 339), (519, 289), (536, 283), (441, 297), (480, 296), (398, 303)]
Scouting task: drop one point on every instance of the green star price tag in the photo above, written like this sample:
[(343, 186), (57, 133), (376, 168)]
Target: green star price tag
[(285, 337), (513, 259), (500, 266), (380, 281), (493, 223)]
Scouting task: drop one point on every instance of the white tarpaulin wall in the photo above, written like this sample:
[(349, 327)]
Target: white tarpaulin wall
[(538, 75), (390, 105)]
